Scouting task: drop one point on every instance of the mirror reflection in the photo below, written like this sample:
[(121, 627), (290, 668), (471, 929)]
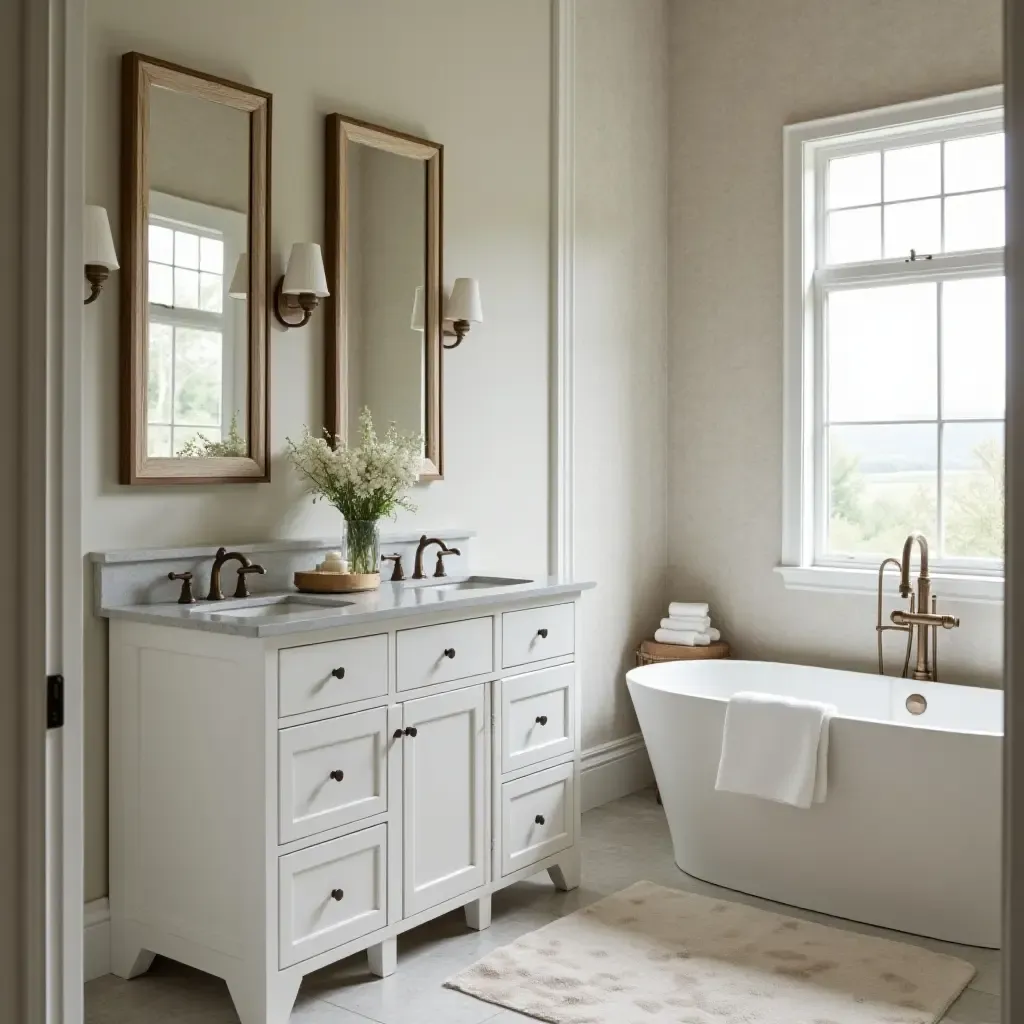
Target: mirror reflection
[(386, 247), (197, 352)]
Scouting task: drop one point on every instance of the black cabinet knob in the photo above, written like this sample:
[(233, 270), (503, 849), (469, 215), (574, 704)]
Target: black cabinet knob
[(542, 633), (337, 775), (542, 719), (398, 734), (539, 819), (338, 673), (338, 894), (412, 731), (449, 652)]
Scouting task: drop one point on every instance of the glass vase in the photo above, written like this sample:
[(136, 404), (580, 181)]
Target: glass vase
[(362, 546)]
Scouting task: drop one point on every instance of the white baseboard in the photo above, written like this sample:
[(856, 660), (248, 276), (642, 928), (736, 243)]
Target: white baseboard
[(608, 772), (97, 939), (613, 770)]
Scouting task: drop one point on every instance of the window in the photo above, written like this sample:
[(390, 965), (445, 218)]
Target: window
[(193, 330), (895, 335)]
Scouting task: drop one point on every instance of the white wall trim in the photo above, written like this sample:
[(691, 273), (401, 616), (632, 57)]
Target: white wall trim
[(615, 769), (563, 241), (97, 939), (824, 579)]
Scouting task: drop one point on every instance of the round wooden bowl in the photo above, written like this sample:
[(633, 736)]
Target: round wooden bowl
[(317, 582)]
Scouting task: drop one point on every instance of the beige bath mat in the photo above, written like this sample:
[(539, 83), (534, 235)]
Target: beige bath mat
[(660, 956)]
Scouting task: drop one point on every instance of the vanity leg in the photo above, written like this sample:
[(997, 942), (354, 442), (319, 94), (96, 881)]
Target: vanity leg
[(269, 1002), (127, 958), (566, 873), (478, 914), (383, 957)]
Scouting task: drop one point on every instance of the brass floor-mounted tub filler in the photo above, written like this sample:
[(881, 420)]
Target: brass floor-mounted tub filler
[(921, 620)]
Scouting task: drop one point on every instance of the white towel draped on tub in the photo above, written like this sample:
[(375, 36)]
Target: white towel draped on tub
[(775, 748)]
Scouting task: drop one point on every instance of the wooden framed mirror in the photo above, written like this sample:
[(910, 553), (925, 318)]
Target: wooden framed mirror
[(194, 312), (383, 261)]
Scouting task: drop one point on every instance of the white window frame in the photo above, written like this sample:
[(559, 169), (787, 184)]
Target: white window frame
[(806, 147), (231, 227)]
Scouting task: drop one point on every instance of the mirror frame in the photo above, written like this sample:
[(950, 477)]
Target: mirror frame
[(139, 74), (342, 131)]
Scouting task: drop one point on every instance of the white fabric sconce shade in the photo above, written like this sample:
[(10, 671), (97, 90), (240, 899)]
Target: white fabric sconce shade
[(100, 256), (239, 287), (304, 284), (463, 308), (417, 310), (464, 303), (305, 274), (97, 241)]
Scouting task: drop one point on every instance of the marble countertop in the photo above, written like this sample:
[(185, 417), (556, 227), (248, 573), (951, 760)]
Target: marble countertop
[(308, 612)]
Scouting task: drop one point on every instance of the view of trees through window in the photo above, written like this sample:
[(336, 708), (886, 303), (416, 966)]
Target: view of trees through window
[(913, 346)]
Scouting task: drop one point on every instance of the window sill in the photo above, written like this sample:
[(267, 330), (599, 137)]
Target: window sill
[(827, 579)]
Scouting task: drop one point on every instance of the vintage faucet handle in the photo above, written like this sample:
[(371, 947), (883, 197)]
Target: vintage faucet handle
[(439, 568), (398, 573), (187, 596), (242, 590)]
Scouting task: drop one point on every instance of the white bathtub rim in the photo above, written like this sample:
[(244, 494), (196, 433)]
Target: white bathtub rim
[(636, 676)]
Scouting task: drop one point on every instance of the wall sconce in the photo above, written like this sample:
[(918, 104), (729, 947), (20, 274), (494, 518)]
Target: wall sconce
[(239, 287), (463, 309), (98, 249), (303, 286)]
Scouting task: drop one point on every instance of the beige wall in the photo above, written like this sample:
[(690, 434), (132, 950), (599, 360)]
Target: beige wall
[(11, 835), (621, 335), (490, 106), (740, 71)]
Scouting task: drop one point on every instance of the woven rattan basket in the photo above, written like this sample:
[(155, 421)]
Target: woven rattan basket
[(652, 653)]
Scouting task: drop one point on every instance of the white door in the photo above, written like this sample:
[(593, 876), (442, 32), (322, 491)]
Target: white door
[(443, 811)]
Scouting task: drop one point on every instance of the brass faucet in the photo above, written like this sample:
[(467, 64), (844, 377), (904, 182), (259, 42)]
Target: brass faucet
[(223, 556), (425, 542), (923, 621)]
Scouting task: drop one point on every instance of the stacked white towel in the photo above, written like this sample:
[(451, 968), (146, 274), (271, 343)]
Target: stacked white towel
[(688, 625)]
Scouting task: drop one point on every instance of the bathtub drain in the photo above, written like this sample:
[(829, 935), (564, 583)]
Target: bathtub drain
[(916, 704)]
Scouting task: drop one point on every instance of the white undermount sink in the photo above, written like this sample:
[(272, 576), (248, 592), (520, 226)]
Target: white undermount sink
[(467, 582), (267, 608)]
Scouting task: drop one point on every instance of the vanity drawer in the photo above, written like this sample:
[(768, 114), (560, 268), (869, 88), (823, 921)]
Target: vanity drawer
[(536, 634), (325, 675), (439, 654), (537, 815), (331, 773), (537, 719), (331, 894)]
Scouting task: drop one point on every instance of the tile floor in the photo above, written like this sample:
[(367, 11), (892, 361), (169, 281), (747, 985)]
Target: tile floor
[(623, 842)]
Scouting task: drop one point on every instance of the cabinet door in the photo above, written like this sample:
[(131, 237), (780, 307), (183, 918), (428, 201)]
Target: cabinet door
[(443, 797)]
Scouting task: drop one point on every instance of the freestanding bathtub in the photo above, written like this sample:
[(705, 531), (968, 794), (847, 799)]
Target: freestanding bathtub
[(909, 835)]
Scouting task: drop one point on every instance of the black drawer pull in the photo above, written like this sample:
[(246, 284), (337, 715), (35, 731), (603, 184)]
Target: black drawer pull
[(337, 775), (542, 719), (542, 633), (398, 734), (338, 673), (449, 652), (412, 731), (338, 894), (539, 819)]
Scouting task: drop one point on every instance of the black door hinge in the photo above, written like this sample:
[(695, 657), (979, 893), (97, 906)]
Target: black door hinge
[(54, 702)]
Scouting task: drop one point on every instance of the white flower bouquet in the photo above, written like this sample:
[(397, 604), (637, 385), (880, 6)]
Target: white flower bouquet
[(364, 483)]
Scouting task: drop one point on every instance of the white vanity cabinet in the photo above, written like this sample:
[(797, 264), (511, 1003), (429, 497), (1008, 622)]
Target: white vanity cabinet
[(279, 802)]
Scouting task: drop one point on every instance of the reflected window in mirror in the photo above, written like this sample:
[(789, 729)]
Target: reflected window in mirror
[(198, 352)]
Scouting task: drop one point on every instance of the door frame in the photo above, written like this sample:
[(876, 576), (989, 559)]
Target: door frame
[(50, 537), (1013, 671)]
